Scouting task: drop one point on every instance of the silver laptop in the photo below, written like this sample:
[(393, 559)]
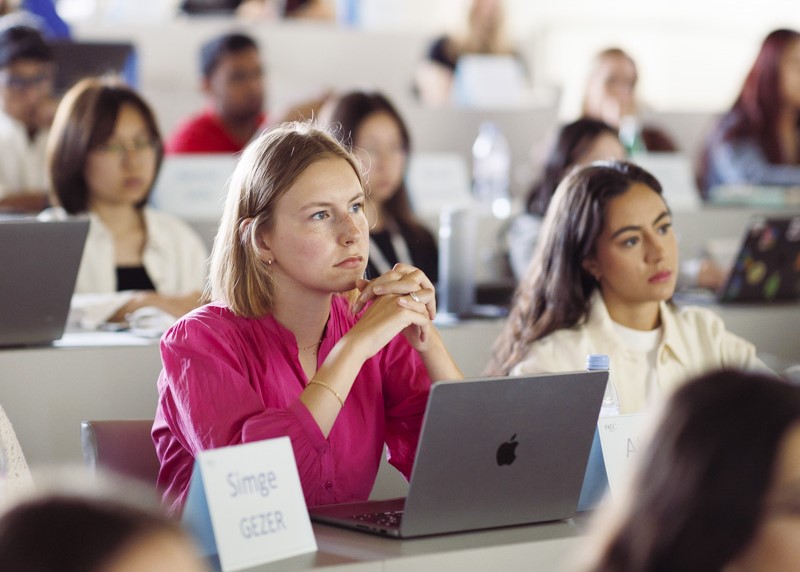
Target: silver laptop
[(492, 452), (39, 262)]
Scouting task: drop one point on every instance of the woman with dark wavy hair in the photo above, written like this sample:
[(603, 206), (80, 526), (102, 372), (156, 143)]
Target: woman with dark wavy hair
[(717, 488), (601, 282), (758, 141)]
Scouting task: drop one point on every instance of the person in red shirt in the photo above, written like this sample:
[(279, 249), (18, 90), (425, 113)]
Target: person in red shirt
[(233, 80)]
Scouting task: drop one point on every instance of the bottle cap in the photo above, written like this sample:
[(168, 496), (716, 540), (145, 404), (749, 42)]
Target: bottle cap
[(597, 362)]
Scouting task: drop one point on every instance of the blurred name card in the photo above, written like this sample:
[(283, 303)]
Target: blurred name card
[(621, 439), (246, 504), (437, 181), (193, 186)]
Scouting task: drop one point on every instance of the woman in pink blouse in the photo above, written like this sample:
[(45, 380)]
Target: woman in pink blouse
[(294, 341)]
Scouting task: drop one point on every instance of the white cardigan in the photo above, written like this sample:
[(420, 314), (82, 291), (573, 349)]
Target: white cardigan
[(175, 258), (694, 341)]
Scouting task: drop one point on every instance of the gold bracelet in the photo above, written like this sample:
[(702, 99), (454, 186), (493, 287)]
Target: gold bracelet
[(329, 388)]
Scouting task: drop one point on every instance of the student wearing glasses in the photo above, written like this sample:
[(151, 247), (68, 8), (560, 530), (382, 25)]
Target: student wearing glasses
[(26, 110), (103, 156)]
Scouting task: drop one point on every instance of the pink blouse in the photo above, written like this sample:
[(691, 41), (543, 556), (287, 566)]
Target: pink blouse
[(229, 380)]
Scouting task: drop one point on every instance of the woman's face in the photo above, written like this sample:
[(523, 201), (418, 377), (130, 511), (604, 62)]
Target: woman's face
[(604, 147), (636, 255), (790, 75), (379, 145), (776, 545), (121, 170), (610, 93), (320, 237)]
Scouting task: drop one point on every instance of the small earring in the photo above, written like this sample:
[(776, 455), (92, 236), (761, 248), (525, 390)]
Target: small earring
[(269, 262)]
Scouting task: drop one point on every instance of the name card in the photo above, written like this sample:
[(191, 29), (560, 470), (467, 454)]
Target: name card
[(246, 504), (621, 440)]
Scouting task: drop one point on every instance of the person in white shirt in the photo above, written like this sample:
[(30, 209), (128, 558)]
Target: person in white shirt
[(103, 157), (601, 281), (26, 110)]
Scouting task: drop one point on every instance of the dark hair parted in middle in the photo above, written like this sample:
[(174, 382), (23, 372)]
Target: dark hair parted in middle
[(350, 112), (85, 120), (556, 292), (574, 139)]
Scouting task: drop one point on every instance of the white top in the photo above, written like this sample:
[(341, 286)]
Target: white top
[(647, 343), (23, 164), (175, 258), (694, 341)]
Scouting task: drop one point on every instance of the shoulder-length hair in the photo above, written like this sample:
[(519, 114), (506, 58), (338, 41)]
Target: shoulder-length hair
[(573, 140), (267, 169), (704, 475), (349, 114), (84, 120), (556, 291)]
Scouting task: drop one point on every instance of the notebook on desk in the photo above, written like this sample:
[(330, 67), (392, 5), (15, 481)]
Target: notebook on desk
[(492, 452), (767, 266), (39, 266)]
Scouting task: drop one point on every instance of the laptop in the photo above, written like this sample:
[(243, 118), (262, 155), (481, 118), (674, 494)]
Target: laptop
[(40, 263), (78, 60), (492, 452), (767, 266)]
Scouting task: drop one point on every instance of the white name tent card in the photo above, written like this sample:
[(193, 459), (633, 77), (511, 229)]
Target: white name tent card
[(621, 439), (246, 504)]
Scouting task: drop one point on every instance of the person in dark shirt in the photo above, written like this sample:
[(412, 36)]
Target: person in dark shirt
[(373, 128)]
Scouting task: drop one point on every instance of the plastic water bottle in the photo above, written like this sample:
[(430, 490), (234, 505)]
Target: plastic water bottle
[(630, 135), (491, 168), (595, 481), (601, 362)]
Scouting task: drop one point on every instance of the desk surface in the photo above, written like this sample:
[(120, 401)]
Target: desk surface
[(545, 547), (48, 391)]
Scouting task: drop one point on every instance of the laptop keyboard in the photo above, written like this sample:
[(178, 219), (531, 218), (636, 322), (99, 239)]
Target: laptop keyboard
[(389, 518)]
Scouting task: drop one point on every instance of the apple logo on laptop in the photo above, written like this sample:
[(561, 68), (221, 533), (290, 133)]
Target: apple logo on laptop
[(506, 451)]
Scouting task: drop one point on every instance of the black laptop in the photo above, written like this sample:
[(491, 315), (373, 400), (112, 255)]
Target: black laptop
[(767, 266)]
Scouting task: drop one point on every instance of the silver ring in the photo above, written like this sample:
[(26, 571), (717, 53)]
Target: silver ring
[(414, 296)]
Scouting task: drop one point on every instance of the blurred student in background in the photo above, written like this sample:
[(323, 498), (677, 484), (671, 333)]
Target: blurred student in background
[(601, 282), (484, 34), (72, 533), (104, 154), (757, 142), (577, 143), (26, 111), (373, 129), (610, 96), (715, 489), (233, 83)]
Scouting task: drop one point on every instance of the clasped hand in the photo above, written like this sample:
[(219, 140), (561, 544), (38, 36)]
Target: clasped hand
[(403, 299)]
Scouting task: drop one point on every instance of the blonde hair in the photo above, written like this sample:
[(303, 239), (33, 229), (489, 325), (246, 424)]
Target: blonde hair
[(267, 169)]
